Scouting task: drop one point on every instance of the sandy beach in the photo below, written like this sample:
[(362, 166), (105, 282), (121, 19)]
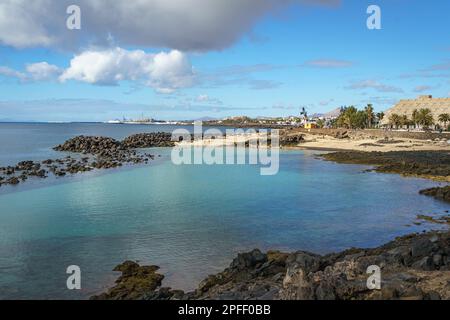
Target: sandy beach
[(319, 142), (361, 141)]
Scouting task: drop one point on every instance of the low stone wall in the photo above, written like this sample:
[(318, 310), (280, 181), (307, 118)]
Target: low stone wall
[(378, 133)]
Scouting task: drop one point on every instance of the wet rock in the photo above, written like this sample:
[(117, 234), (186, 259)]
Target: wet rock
[(48, 162), (148, 140), (248, 260), (91, 145), (413, 267), (135, 283), (291, 140), (421, 247), (435, 164), (442, 193), (13, 181), (27, 165)]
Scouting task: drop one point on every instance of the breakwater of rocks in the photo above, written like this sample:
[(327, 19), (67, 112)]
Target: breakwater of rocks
[(87, 154), (413, 267)]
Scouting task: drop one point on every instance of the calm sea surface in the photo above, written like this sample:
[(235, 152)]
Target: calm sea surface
[(190, 220)]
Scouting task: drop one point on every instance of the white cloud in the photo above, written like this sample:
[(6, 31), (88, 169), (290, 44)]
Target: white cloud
[(202, 98), (43, 71), (8, 72), (373, 84), (23, 23), (329, 63), (187, 25), (422, 88), (165, 72)]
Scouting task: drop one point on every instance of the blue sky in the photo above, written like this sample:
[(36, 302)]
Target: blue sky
[(255, 60)]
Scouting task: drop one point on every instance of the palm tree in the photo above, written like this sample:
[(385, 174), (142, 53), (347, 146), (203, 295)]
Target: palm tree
[(320, 123), (395, 120), (445, 118), (348, 117), (425, 118), (404, 121), (370, 115)]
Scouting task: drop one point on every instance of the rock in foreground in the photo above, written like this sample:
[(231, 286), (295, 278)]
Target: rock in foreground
[(134, 283), (412, 267)]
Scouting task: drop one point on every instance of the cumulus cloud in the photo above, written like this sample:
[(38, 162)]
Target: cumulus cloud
[(186, 25), (8, 72), (165, 72), (43, 71)]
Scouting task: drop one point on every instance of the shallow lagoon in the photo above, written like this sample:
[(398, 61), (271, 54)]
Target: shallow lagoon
[(192, 220)]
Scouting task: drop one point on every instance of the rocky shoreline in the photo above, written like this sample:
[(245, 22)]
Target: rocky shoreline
[(413, 267), (89, 153), (442, 193), (433, 165), (428, 164)]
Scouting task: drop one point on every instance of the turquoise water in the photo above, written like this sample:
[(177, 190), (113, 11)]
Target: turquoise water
[(192, 220)]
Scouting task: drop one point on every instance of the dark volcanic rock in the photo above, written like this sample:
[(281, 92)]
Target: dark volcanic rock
[(134, 284), (13, 181), (91, 145), (291, 140), (423, 163), (103, 153), (148, 140), (438, 193), (412, 267)]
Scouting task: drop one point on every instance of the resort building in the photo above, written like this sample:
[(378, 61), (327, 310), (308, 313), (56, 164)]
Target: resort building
[(310, 125), (437, 106)]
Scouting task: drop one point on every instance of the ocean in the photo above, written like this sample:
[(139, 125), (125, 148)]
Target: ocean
[(189, 220)]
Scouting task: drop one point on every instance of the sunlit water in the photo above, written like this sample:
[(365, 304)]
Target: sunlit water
[(190, 220)]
